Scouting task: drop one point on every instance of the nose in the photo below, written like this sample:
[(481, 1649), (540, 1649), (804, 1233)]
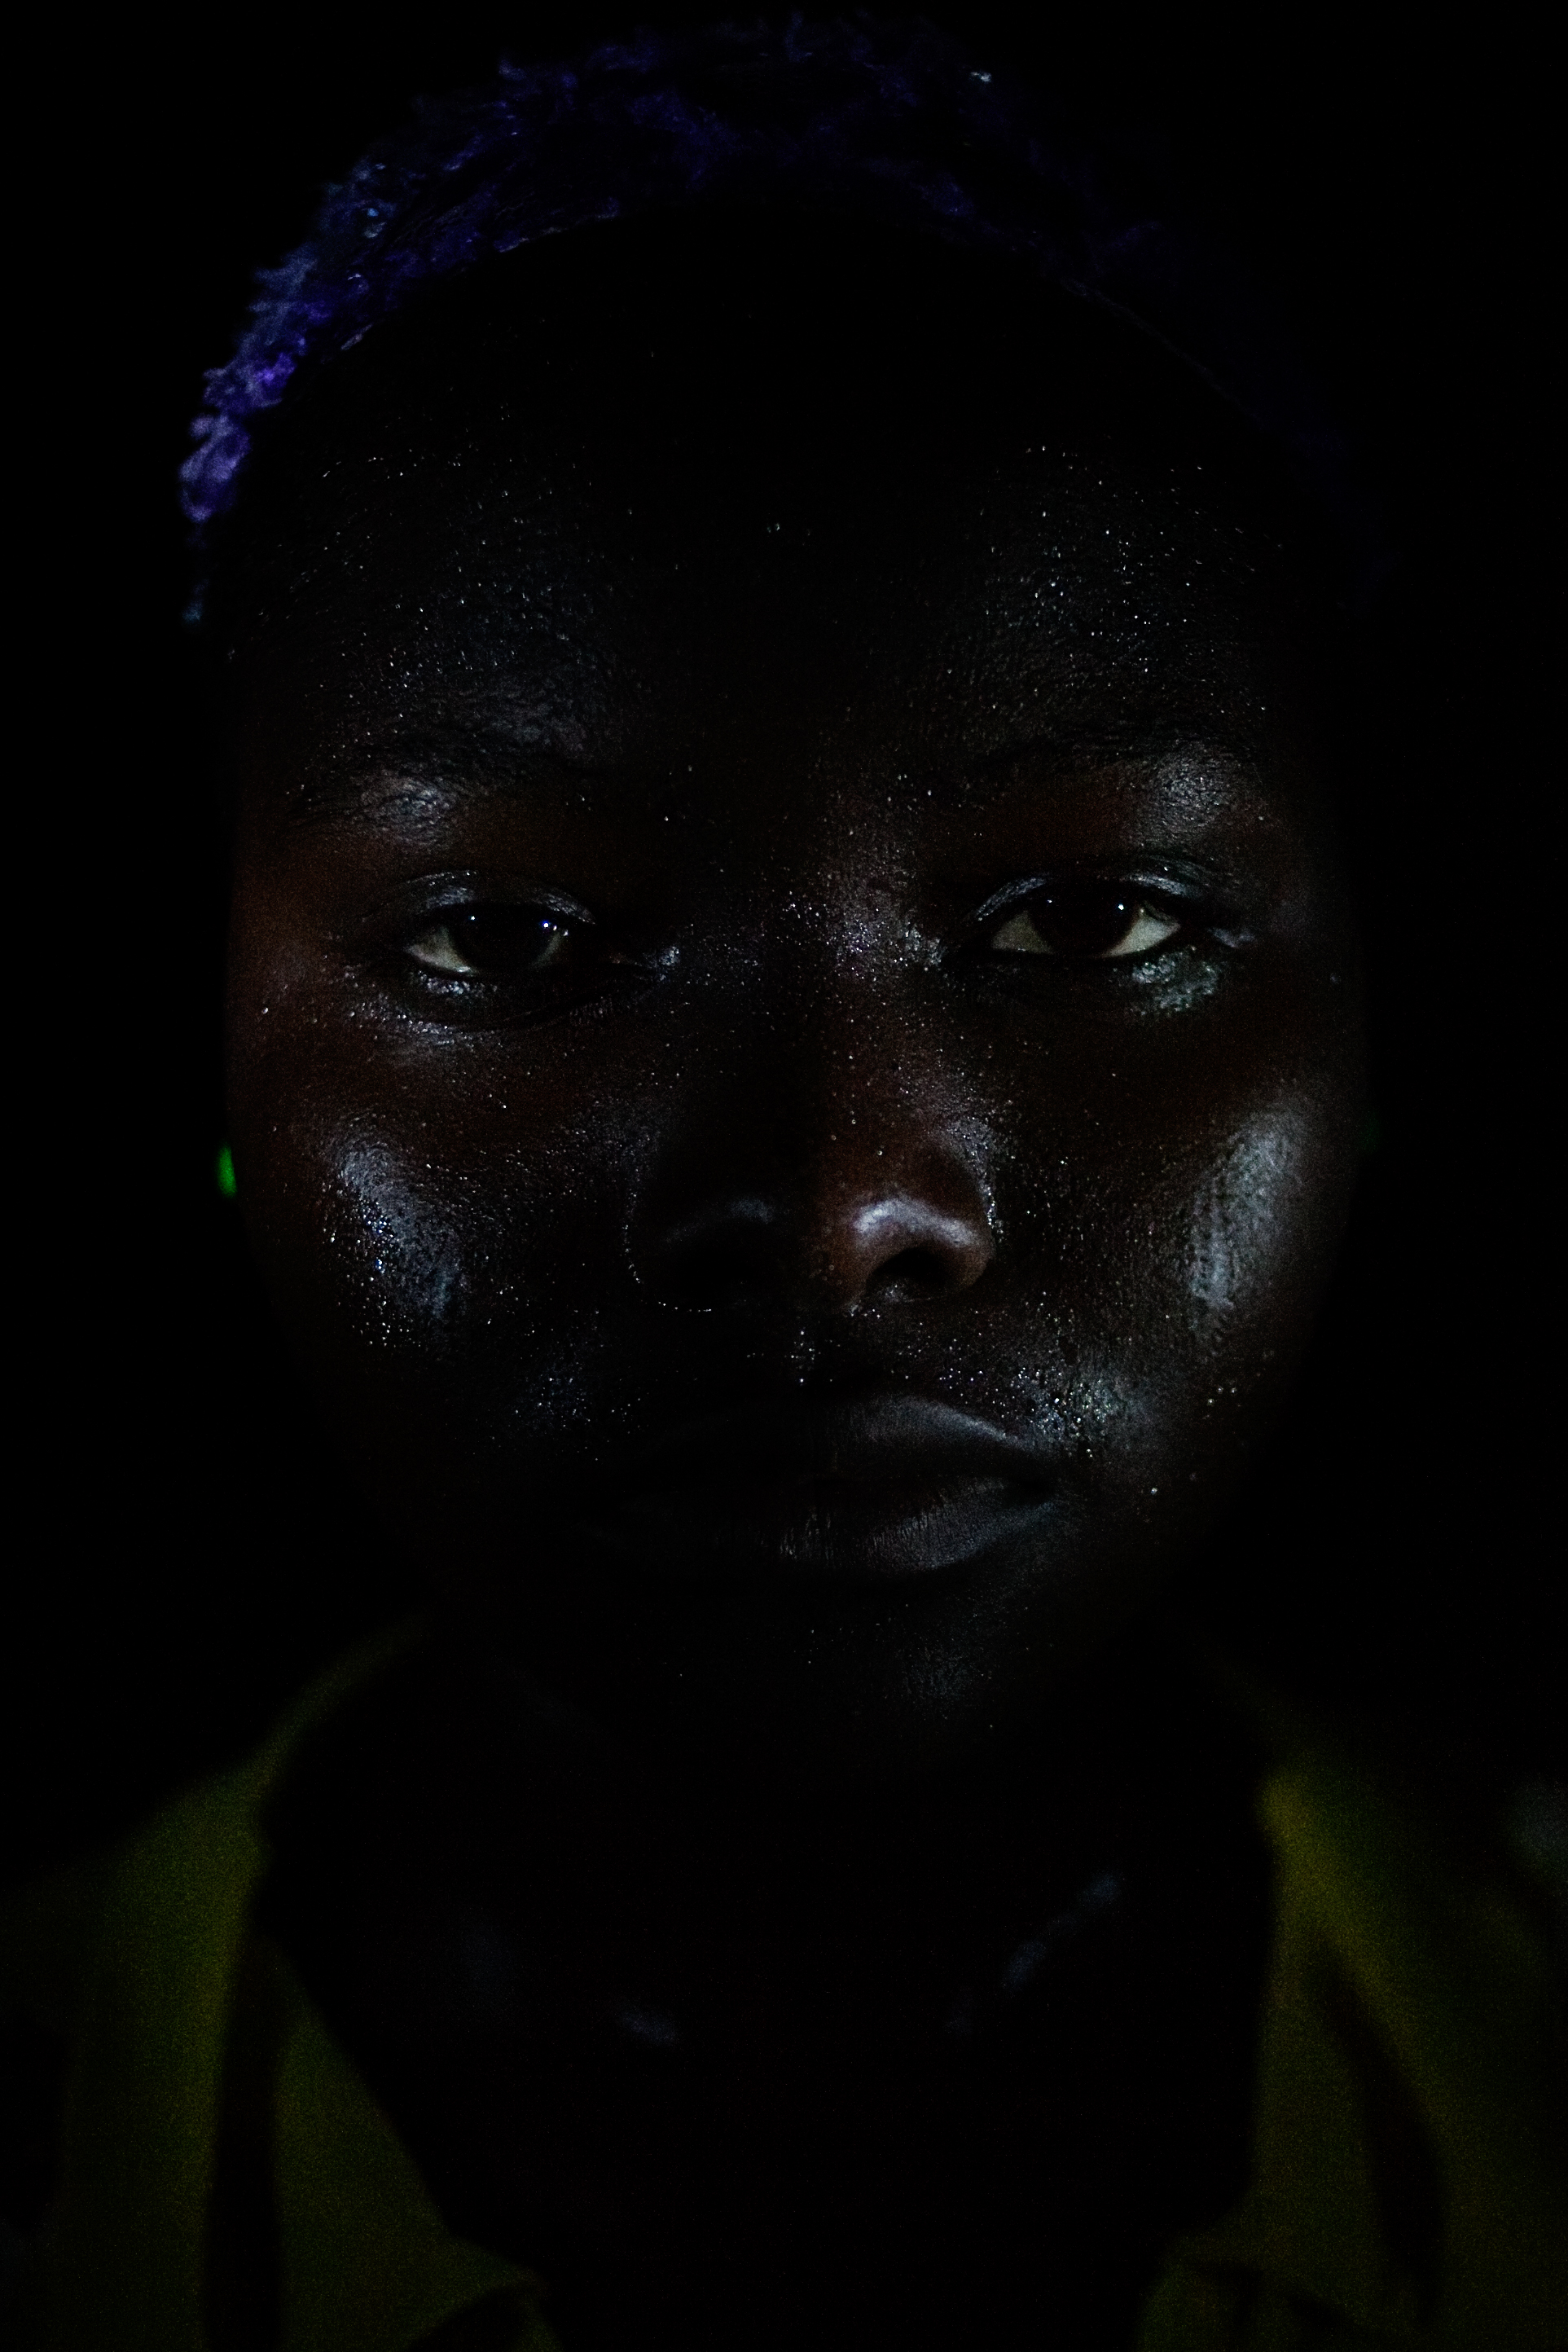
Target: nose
[(856, 1228)]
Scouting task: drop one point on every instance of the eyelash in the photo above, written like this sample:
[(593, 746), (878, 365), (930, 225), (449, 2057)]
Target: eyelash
[(547, 977), (1081, 920), (558, 979)]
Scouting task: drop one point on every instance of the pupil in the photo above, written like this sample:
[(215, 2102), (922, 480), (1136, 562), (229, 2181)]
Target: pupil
[(504, 938), (1083, 922)]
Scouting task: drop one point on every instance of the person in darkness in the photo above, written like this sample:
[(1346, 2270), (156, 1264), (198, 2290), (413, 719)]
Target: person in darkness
[(796, 1071)]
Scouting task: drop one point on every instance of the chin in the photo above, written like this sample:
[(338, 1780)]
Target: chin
[(812, 1678)]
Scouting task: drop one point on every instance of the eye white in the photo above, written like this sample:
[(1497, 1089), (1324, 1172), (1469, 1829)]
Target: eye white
[(438, 950), (1019, 935)]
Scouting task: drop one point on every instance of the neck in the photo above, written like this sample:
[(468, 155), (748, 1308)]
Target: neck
[(624, 2014), (471, 1785)]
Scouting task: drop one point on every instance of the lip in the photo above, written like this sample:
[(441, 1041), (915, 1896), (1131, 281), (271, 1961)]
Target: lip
[(880, 1488)]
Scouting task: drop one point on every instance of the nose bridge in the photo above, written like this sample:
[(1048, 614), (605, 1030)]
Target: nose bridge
[(812, 1021), (823, 1155)]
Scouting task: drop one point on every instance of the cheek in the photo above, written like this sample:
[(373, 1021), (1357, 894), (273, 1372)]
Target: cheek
[(1168, 1274), (1235, 1269), (393, 1262), (1250, 1223), (413, 1220)]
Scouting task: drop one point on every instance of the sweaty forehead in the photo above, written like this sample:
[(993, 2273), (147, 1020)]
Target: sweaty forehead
[(603, 511), (505, 595)]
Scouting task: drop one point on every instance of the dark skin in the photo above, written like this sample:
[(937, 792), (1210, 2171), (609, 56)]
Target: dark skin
[(794, 1075)]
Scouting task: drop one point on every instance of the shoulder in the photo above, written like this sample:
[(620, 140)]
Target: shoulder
[(121, 1966), (1410, 2179), (49, 1933)]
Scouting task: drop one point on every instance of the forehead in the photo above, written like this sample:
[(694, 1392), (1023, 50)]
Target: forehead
[(1046, 590), (617, 518)]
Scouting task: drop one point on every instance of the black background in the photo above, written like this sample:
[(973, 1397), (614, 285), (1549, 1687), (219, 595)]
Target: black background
[(181, 1552)]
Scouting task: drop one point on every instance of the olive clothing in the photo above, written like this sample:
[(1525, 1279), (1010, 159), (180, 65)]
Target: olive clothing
[(227, 2179)]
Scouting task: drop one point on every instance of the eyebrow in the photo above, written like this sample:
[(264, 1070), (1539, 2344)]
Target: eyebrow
[(1143, 744), (392, 771), (489, 749), (1127, 740)]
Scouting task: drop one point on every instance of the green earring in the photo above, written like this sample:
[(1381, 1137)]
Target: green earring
[(224, 1173)]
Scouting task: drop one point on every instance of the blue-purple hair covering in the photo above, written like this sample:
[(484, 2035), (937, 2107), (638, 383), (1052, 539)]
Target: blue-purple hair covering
[(885, 118)]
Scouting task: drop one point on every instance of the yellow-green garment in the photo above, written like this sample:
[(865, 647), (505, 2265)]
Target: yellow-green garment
[(1409, 2185)]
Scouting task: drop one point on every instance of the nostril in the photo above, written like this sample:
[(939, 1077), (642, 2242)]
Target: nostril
[(905, 1248), (713, 1278), (913, 1275), (729, 1257), (900, 1248)]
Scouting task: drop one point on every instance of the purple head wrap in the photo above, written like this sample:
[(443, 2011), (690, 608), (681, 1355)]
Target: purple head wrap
[(887, 117)]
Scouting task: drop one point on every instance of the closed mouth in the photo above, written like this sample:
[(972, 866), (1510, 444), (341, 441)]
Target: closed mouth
[(888, 1488)]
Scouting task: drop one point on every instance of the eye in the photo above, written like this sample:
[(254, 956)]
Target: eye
[(1090, 919), (491, 943)]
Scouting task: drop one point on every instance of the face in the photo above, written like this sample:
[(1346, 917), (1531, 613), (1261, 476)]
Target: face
[(794, 1065)]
